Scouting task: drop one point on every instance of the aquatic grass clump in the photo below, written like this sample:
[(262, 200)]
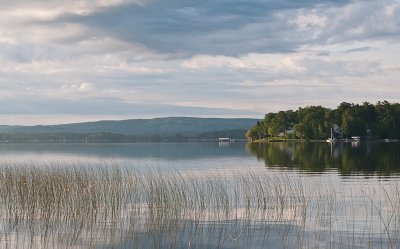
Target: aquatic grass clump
[(89, 206)]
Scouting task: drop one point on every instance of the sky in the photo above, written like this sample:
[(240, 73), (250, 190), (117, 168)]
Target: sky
[(74, 61)]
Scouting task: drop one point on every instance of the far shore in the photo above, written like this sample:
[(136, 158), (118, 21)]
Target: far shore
[(279, 139)]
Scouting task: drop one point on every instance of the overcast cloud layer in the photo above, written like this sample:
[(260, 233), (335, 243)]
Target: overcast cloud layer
[(68, 61)]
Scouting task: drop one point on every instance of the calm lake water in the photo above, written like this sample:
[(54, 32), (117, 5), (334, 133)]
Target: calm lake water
[(276, 195), (344, 159)]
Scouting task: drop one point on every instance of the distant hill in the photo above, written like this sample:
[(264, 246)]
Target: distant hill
[(187, 127)]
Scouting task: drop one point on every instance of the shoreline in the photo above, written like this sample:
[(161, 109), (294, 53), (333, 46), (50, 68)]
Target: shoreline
[(277, 140)]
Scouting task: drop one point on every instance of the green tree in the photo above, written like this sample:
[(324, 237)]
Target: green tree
[(316, 121), (300, 130)]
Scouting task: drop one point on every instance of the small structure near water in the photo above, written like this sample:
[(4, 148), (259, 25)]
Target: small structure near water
[(332, 139)]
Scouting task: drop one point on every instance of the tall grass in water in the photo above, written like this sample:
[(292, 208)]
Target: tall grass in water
[(108, 206)]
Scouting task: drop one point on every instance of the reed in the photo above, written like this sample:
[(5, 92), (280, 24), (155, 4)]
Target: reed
[(92, 206)]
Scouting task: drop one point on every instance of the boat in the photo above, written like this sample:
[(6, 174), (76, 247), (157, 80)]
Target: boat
[(224, 139), (331, 139)]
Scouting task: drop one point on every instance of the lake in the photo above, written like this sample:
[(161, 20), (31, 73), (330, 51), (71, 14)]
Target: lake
[(200, 195)]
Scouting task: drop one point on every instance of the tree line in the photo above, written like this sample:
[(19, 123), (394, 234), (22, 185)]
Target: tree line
[(108, 137), (367, 120)]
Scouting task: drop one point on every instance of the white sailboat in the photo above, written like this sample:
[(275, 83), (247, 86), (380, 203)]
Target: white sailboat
[(331, 139)]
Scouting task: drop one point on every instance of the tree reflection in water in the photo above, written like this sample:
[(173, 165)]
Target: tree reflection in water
[(364, 158)]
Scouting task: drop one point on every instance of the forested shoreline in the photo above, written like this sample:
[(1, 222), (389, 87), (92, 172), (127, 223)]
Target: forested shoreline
[(130, 130), (108, 137), (380, 120)]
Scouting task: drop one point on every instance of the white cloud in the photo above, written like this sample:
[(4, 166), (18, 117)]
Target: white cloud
[(206, 61), (296, 65), (179, 54), (310, 20), (85, 87), (48, 10)]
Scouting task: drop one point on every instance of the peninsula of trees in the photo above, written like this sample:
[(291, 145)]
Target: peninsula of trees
[(381, 120)]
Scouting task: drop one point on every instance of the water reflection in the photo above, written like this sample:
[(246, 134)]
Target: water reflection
[(347, 158), (202, 202), (163, 156), (78, 208), (164, 151)]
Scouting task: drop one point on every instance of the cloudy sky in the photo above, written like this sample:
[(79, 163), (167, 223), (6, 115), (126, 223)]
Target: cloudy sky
[(71, 61)]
